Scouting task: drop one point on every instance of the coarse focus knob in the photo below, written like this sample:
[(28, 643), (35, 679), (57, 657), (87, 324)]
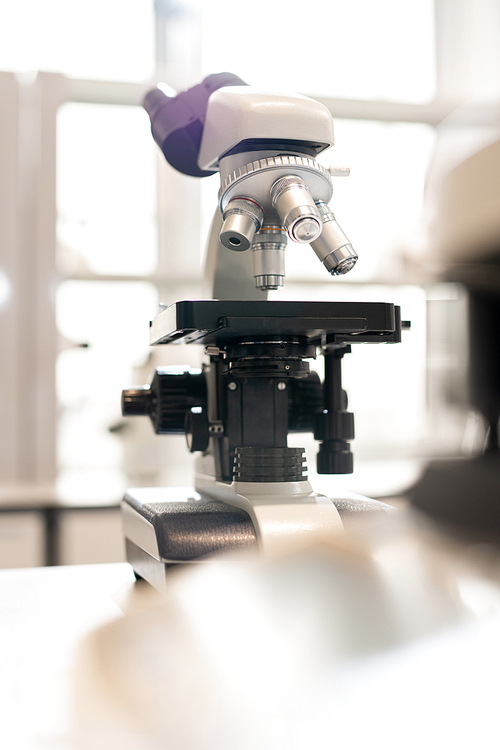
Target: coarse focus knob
[(174, 393), (166, 401), (305, 400)]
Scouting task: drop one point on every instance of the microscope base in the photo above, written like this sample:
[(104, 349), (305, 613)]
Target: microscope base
[(167, 526), (170, 526), (146, 567)]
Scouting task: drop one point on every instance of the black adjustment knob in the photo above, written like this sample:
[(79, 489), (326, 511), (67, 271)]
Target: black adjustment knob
[(171, 395), (334, 428), (304, 400), (174, 394), (334, 425), (136, 402), (334, 457), (197, 430)]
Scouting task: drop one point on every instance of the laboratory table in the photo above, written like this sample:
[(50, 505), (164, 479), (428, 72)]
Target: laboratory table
[(44, 615), (440, 691)]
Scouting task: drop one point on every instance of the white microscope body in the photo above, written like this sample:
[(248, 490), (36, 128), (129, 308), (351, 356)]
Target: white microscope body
[(263, 192), (263, 145), (257, 387)]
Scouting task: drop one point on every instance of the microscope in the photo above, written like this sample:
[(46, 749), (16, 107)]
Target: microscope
[(250, 490)]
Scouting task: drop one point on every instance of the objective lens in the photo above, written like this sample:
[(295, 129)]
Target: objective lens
[(333, 248), (242, 218), (296, 208), (269, 258)]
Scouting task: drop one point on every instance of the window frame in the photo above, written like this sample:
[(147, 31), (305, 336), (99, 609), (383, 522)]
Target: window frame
[(28, 337)]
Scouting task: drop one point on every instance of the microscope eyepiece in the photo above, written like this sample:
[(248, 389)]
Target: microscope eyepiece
[(178, 119), (294, 204)]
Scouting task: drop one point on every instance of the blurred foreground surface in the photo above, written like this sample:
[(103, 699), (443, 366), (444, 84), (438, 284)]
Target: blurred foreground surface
[(388, 636)]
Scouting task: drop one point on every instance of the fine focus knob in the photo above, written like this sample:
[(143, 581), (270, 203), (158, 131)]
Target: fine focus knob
[(197, 430), (136, 402)]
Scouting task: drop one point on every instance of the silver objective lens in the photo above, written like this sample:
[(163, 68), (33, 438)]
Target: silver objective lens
[(269, 258), (333, 248), (294, 204), (242, 218)]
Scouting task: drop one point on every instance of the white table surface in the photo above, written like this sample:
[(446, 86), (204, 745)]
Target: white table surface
[(440, 691), (44, 614)]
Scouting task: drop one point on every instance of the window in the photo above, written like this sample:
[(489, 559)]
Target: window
[(110, 40), (354, 50), (106, 192), (130, 230)]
